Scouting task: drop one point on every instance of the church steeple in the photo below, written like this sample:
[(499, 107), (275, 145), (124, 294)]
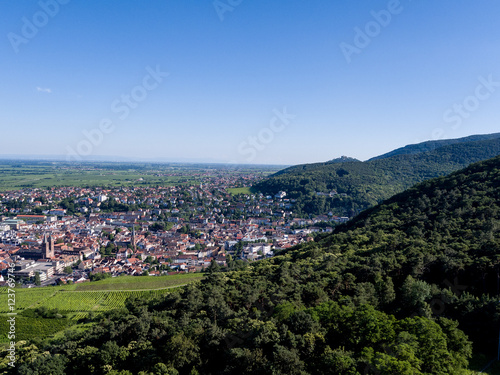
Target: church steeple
[(48, 246), (133, 237)]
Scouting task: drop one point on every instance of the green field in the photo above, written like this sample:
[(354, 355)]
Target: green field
[(45, 174), (243, 190), (78, 300)]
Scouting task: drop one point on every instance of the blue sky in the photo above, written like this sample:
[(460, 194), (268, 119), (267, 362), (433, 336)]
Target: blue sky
[(248, 81)]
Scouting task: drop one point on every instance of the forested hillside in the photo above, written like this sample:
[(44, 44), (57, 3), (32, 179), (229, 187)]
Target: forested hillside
[(432, 145), (363, 184), (391, 292)]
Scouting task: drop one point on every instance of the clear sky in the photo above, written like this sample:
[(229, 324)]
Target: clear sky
[(252, 81)]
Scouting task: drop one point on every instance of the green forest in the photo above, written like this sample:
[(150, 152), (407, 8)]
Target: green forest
[(361, 185), (410, 286)]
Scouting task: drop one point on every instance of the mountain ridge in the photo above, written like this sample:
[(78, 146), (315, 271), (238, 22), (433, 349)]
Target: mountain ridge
[(434, 144), (368, 183)]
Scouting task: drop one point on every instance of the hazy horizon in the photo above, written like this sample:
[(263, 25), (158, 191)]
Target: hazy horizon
[(166, 160)]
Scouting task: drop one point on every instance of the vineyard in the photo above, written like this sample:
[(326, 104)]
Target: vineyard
[(95, 296), (27, 328), (76, 301), (70, 301), (73, 304), (140, 282), (25, 298)]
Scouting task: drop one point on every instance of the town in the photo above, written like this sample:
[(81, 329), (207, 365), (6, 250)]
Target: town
[(65, 235)]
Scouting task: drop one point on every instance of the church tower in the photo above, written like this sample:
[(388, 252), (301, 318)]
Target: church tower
[(133, 237), (48, 247)]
